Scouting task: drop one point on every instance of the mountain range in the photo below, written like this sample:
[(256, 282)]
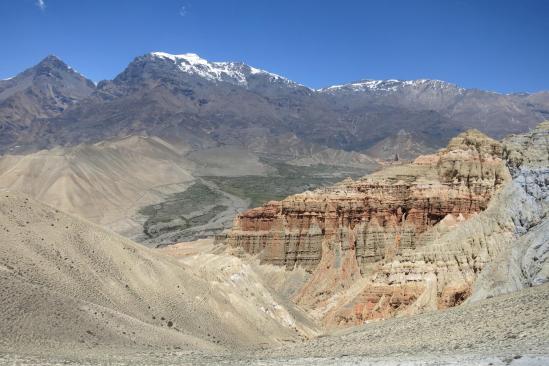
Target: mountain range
[(205, 104)]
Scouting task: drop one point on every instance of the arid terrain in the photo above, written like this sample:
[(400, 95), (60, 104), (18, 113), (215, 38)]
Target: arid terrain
[(191, 212), (482, 334), (161, 193), (409, 238), (443, 260)]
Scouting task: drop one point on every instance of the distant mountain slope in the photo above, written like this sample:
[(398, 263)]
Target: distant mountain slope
[(401, 146), (101, 182), (166, 96), (185, 97), (453, 109), (42, 91)]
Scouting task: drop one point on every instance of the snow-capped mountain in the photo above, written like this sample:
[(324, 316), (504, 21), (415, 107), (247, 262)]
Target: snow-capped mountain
[(391, 85), (232, 72)]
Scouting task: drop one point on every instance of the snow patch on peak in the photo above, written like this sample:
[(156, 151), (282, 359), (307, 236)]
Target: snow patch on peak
[(79, 73), (273, 76), (390, 85), (253, 70), (216, 71), (190, 57)]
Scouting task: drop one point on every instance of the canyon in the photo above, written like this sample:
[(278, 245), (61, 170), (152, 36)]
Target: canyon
[(406, 239), (453, 243)]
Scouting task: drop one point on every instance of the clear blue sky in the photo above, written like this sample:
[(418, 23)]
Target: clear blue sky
[(497, 45)]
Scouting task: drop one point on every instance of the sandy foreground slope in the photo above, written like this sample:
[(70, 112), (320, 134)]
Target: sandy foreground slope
[(487, 333), (70, 287)]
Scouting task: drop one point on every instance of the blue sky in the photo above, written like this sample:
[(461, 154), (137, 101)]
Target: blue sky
[(497, 45)]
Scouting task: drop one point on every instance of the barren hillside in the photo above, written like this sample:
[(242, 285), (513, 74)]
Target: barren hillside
[(70, 285)]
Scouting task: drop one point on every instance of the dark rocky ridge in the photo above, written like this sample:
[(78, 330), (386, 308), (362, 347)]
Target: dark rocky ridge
[(43, 91)]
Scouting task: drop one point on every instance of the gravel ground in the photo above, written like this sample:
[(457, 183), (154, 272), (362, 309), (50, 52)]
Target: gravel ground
[(505, 330)]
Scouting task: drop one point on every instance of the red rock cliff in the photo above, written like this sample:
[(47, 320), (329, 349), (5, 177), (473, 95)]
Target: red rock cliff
[(364, 240)]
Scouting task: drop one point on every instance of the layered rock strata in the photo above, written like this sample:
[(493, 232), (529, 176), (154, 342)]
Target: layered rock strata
[(406, 239), (379, 216)]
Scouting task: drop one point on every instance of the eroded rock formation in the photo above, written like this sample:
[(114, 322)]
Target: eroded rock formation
[(406, 239), (380, 215)]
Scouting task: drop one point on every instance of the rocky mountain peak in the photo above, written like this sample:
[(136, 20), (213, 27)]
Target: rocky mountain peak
[(237, 102), (53, 68), (42, 91), (191, 63), (49, 73), (52, 61)]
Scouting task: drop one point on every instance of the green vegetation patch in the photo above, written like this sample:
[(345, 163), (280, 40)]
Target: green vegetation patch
[(263, 189), (183, 210), (288, 180)]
